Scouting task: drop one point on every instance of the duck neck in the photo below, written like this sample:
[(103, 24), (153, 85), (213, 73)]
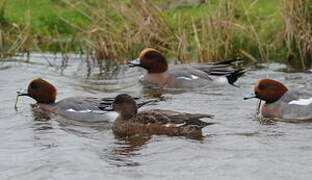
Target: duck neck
[(158, 78), (126, 116), (128, 113), (50, 108), (274, 100)]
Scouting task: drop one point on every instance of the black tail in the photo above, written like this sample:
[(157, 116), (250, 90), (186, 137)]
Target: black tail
[(231, 76), (235, 75), (223, 68)]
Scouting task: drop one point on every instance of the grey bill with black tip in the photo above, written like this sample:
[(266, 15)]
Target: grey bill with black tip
[(135, 62)]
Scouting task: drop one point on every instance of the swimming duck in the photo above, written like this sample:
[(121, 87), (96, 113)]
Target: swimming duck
[(89, 109), (183, 75), (280, 102), (160, 122)]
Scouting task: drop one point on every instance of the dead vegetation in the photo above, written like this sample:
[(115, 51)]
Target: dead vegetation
[(117, 30), (298, 30)]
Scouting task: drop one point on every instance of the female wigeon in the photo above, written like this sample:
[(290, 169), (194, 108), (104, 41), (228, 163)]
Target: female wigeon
[(183, 75), (87, 109), (159, 122), (280, 102)]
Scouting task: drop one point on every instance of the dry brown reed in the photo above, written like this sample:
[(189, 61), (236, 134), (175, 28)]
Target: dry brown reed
[(115, 31), (297, 16), (14, 39), (143, 25), (213, 33)]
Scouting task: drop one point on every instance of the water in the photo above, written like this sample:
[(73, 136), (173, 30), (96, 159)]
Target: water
[(236, 147)]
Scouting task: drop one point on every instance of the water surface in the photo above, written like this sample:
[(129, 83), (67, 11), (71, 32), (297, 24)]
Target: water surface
[(236, 147)]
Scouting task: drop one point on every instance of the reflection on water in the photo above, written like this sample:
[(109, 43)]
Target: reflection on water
[(36, 146), (124, 149)]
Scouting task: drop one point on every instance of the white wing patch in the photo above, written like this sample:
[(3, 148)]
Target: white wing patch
[(174, 125), (303, 102), (186, 78), (194, 77), (71, 110), (85, 111), (191, 77)]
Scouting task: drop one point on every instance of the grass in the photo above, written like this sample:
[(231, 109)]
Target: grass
[(118, 29), (298, 25), (43, 15)]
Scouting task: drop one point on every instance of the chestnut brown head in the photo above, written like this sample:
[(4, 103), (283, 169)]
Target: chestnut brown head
[(41, 91), (151, 60), (268, 90)]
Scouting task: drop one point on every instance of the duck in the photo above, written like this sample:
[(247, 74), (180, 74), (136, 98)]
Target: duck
[(130, 122), (80, 108), (280, 102), (309, 70), (185, 76)]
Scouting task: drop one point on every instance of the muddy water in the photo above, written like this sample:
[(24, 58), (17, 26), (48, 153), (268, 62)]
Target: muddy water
[(236, 147)]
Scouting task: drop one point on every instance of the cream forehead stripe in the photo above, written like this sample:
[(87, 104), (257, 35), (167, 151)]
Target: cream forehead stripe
[(147, 50), (303, 102)]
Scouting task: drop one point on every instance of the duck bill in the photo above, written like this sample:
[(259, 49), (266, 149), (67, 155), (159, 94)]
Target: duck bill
[(109, 109), (135, 62), (250, 96), (22, 92)]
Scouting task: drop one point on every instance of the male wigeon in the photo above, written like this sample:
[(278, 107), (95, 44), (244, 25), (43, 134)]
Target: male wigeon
[(282, 103), (88, 109), (158, 122), (183, 75)]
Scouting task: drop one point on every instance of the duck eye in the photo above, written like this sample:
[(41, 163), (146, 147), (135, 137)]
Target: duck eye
[(261, 86), (151, 56), (34, 85)]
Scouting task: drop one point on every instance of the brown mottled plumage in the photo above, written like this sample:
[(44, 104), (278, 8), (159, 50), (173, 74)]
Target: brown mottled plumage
[(160, 122)]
